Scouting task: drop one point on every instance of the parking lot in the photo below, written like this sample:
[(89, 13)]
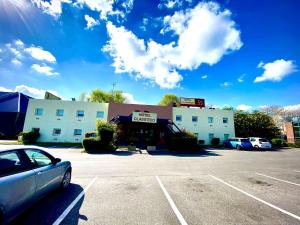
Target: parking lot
[(213, 187)]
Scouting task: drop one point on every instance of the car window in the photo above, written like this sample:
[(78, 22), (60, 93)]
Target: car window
[(263, 140), (38, 158), (244, 140), (10, 163)]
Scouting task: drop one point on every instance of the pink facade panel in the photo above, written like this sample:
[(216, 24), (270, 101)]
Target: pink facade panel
[(115, 109)]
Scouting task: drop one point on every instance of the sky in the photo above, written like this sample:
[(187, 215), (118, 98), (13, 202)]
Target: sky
[(244, 54)]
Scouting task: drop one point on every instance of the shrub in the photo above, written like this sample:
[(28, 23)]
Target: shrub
[(106, 135), (276, 142), (183, 143), (92, 144), (90, 134), (215, 141), (30, 137), (201, 142)]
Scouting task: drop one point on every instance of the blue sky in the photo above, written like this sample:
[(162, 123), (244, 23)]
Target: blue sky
[(230, 52)]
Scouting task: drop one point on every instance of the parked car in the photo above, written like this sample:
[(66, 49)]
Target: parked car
[(238, 143), (260, 143), (26, 175)]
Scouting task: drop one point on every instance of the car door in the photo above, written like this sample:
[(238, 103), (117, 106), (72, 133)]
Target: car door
[(17, 183), (48, 173)]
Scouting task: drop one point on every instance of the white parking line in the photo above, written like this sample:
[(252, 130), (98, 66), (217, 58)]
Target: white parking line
[(256, 198), (274, 178), (71, 206), (175, 209), (297, 171)]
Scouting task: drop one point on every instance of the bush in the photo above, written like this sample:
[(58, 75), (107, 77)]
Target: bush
[(183, 143), (30, 137), (106, 135), (90, 134), (201, 142), (96, 145), (276, 142), (215, 141)]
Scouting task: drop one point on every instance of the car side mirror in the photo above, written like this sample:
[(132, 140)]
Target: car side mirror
[(57, 160)]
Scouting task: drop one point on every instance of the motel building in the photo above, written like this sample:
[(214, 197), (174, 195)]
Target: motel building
[(142, 125)]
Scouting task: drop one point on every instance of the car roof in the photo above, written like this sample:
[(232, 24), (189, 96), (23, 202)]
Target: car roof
[(16, 147)]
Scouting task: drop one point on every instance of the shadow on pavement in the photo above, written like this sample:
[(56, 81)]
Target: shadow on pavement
[(49, 208), (200, 153)]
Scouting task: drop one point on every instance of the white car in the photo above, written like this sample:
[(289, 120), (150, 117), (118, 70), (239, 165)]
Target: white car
[(260, 143)]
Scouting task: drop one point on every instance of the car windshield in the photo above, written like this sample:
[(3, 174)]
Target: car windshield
[(244, 140), (263, 140)]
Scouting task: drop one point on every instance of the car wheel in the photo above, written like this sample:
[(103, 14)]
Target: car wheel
[(238, 147), (256, 147), (66, 180)]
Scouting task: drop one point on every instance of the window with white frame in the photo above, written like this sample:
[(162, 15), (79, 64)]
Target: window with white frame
[(77, 132), (225, 120), (178, 118), (194, 119), (211, 136), (39, 111), (210, 119), (59, 112), (100, 115), (80, 113), (56, 131)]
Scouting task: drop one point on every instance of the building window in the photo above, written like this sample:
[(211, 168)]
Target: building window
[(178, 118), (225, 120), (80, 113), (56, 131), (35, 130), (59, 112), (210, 119), (77, 132), (100, 114), (226, 137), (195, 119), (210, 136), (39, 111)]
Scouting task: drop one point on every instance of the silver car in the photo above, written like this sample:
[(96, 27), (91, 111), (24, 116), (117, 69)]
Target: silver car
[(26, 175)]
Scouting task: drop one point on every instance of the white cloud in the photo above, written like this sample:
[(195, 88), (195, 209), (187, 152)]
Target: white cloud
[(171, 4), (241, 78), (40, 54), (129, 99), (91, 22), (276, 71), (244, 107), (226, 84), (16, 62), (44, 69), (292, 107), (205, 33), (31, 91), (53, 7), (204, 77), (19, 43)]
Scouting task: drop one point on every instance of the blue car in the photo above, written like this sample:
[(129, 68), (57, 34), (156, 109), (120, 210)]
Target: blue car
[(238, 143)]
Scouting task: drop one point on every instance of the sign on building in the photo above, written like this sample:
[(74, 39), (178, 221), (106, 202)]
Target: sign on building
[(144, 117), (196, 102)]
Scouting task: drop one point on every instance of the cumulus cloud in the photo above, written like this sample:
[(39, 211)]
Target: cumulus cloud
[(241, 78), (16, 62), (31, 91), (204, 77), (129, 98), (276, 71), (40, 54), (44, 69), (244, 107), (52, 7), (90, 22), (171, 4), (292, 107), (205, 33)]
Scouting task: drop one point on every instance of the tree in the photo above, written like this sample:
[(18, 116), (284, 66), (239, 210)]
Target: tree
[(229, 108), (168, 98), (255, 124), (83, 97), (99, 95)]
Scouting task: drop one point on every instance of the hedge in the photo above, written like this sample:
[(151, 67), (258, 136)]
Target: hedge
[(276, 142), (96, 145), (215, 141), (30, 137), (183, 144)]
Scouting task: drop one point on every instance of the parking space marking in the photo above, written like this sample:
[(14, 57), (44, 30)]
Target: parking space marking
[(71, 206), (171, 202), (256, 198), (297, 171), (274, 178)]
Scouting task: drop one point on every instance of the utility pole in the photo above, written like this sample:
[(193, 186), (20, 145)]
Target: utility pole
[(113, 87)]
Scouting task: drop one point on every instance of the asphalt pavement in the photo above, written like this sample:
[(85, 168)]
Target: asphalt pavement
[(211, 187)]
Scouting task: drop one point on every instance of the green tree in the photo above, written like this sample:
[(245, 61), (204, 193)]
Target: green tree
[(255, 124), (229, 108), (99, 95), (168, 98)]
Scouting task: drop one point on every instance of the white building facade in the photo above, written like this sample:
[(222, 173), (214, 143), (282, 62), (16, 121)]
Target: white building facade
[(205, 123), (63, 121)]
